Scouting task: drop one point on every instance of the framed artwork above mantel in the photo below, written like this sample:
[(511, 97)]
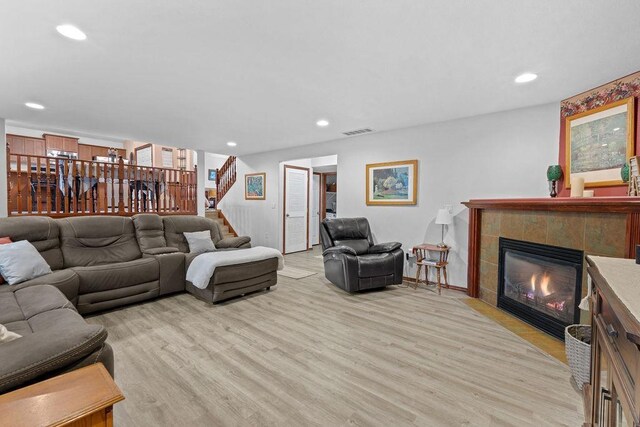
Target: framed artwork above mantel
[(599, 142)]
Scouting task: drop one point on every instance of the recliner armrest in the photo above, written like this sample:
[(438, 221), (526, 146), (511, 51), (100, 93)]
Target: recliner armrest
[(161, 251), (382, 248), (234, 242), (339, 249)]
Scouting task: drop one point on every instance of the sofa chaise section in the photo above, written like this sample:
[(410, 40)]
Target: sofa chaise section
[(55, 338)]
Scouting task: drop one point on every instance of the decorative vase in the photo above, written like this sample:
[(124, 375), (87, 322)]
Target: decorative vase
[(624, 172), (554, 173)]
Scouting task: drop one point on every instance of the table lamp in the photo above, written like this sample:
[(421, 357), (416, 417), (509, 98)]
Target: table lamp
[(443, 218)]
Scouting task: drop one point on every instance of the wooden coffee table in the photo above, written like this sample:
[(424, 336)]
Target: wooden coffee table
[(83, 397)]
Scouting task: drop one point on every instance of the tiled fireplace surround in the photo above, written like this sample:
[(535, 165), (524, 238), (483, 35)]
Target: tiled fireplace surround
[(602, 226)]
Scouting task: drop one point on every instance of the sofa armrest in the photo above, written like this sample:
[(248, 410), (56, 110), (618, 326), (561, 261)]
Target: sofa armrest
[(161, 251), (33, 355), (339, 250), (382, 248), (234, 242)]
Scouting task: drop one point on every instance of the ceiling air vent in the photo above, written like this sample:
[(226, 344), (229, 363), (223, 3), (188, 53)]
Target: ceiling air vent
[(357, 132)]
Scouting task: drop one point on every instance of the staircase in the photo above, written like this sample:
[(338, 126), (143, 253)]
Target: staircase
[(225, 177), (216, 215)]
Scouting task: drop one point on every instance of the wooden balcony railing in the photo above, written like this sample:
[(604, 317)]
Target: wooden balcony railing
[(59, 187), (225, 177)]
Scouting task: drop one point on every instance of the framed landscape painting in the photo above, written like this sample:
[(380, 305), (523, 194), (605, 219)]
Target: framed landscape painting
[(255, 186), (392, 183), (599, 142)]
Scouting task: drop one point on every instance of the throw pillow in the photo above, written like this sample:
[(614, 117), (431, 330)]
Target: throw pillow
[(6, 335), (3, 241), (200, 242), (21, 261)]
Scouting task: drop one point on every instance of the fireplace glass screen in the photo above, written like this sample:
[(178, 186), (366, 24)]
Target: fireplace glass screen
[(540, 284), (543, 285)]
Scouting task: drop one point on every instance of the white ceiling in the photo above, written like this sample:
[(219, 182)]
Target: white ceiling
[(200, 73)]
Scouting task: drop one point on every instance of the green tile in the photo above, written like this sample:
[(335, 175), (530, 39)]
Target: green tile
[(489, 249), (488, 276), (566, 229), (512, 225), (490, 223), (605, 234), (535, 226)]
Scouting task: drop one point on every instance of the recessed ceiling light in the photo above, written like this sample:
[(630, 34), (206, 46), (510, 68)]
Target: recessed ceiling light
[(71, 31), (526, 78), (231, 144), (322, 123), (34, 105)]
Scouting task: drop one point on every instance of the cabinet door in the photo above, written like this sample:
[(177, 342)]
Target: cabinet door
[(99, 151), (70, 144), (54, 142), (16, 144), (34, 146), (84, 152)]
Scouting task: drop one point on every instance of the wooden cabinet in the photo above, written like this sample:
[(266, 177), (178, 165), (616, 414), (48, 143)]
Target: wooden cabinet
[(613, 396), (61, 143), (84, 397), (25, 145), (89, 152)]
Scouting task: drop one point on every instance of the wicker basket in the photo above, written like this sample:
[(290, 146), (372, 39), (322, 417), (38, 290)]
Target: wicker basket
[(577, 341)]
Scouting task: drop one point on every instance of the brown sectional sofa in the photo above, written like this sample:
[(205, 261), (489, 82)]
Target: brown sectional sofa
[(99, 263)]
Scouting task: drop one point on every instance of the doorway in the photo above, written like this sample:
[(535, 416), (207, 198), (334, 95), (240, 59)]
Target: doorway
[(296, 209)]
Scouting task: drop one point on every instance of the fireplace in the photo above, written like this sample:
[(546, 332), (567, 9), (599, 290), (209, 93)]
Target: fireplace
[(540, 284)]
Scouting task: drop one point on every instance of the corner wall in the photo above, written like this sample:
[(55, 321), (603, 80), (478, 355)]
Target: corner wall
[(496, 155)]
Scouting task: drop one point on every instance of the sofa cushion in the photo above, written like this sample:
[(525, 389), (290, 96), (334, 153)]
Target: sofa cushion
[(376, 265), (149, 231), (98, 240), (176, 225), (199, 242), (21, 261), (99, 278), (54, 335), (4, 241), (41, 231), (66, 281)]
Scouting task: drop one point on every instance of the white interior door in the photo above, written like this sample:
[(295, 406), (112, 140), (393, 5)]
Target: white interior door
[(296, 209), (315, 211)]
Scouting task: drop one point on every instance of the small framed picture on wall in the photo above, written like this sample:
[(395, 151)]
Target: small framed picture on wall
[(212, 174), (255, 186), (392, 183)]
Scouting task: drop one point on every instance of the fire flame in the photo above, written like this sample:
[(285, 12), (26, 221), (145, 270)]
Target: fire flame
[(543, 286)]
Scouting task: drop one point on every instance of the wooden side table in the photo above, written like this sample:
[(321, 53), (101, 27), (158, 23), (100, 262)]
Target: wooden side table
[(431, 256), (80, 398)]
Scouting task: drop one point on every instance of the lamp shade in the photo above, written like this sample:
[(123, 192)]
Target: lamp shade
[(444, 217)]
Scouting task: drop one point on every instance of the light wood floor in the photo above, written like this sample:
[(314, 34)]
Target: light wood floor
[(306, 353)]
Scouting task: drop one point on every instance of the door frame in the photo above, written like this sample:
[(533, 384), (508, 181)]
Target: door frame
[(284, 206), (320, 207)]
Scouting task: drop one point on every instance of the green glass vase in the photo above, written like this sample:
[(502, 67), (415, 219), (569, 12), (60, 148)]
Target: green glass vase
[(624, 172)]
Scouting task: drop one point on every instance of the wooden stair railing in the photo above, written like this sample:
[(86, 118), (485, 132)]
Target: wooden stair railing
[(225, 177), (61, 187)]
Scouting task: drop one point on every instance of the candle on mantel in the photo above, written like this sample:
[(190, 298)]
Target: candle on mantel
[(577, 186)]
